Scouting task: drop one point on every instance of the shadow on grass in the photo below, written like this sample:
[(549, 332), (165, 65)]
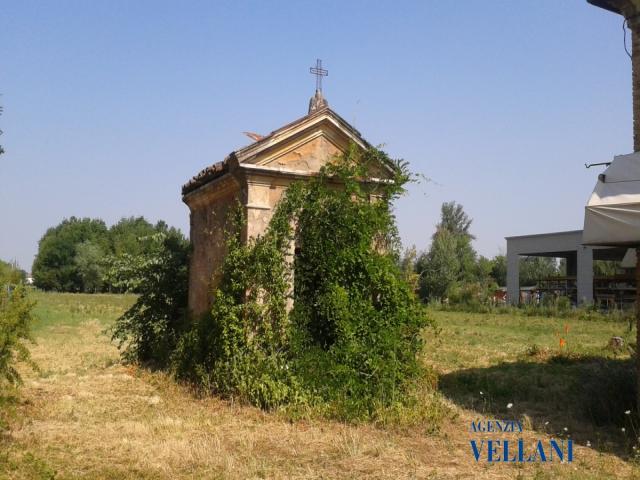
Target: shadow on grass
[(587, 395)]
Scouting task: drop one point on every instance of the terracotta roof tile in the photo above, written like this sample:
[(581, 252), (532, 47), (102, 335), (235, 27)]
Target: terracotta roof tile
[(205, 176)]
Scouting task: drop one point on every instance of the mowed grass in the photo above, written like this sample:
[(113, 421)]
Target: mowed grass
[(86, 415), (561, 375), (54, 310), (476, 340)]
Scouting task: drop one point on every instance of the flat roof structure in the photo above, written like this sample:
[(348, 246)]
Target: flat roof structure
[(567, 245)]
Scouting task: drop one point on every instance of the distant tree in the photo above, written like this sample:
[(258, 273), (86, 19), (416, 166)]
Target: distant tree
[(454, 219), (605, 268), (126, 234), (499, 270), (407, 266), (467, 257), (532, 269), (451, 257), (89, 260), (54, 267), (73, 255), (440, 267), (131, 242), (484, 266)]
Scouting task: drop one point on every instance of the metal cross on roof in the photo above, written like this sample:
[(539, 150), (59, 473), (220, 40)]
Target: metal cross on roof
[(319, 72)]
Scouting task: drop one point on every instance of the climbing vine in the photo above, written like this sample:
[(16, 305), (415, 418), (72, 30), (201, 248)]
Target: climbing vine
[(350, 342)]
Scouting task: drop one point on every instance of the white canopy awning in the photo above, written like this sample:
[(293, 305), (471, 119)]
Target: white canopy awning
[(612, 216)]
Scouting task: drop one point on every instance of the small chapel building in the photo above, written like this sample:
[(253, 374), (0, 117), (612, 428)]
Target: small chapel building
[(257, 175)]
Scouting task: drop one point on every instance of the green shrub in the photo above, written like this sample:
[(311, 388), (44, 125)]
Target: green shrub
[(350, 342), (474, 295), (15, 320), (10, 274), (242, 348), (148, 332)]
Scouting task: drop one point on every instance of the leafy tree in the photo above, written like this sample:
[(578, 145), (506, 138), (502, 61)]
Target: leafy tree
[(124, 235), (499, 270), (148, 332), (484, 267), (15, 320), (451, 257), (71, 256), (454, 219), (55, 267), (89, 260), (468, 258), (605, 268), (440, 267), (533, 269)]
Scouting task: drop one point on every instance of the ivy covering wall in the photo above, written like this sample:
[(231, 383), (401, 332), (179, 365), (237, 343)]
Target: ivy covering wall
[(349, 344)]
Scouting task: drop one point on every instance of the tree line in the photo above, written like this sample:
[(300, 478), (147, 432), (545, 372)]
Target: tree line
[(451, 268), (84, 255), (79, 254)]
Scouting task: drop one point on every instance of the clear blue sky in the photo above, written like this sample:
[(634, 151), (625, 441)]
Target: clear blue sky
[(109, 107)]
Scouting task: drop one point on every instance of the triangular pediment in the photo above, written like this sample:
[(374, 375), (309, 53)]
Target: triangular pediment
[(305, 145), (306, 152), (301, 147)]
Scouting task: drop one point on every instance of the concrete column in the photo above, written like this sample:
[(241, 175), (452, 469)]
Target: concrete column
[(513, 276), (585, 275), (572, 265)]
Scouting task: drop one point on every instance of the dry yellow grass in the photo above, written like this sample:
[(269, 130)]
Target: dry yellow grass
[(85, 415)]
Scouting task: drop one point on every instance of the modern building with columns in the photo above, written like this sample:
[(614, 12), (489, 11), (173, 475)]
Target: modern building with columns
[(570, 245), (567, 245)]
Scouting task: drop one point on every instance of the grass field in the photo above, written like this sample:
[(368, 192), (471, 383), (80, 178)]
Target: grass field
[(86, 415)]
